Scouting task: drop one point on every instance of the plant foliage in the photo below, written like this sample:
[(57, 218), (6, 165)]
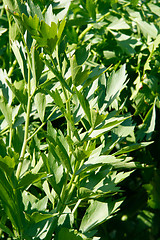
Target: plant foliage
[(79, 95)]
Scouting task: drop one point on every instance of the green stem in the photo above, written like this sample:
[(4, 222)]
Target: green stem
[(38, 129), (91, 25), (99, 20), (60, 206), (10, 137), (68, 190), (68, 111), (76, 206), (66, 95)]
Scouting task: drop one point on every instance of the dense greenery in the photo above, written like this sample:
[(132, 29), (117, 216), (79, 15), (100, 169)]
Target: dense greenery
[(79, 109)]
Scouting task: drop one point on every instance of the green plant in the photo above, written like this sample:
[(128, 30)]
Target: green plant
[(65, 135)]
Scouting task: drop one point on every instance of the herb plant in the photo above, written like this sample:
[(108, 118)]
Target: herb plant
[(67, 127)]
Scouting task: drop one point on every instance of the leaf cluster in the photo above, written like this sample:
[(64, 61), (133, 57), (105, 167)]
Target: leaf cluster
[(79, 95)]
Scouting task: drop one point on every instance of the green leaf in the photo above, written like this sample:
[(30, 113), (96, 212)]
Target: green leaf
[(7, 164), (146, 129), (18, 89), (48, 192), (48, 37), (6, 110), (85, 104), (38, 217), (52, 168), (4, 89), (127, 43), (45, 35), (69, 234), (74, 67), (147, 29), (31, 24), (11, 4), (94, 162), (49, 16), (62, 7), (6, 230), (61, 28), (58, 101), (19, 53), (98, 212), (47, 31), (78, 75), (16, 8), (41, 204), (154, 8), (30, 178), (35, 10), (81, 77), (96, 118), (132, 147), (94, 74), (40, 102), (81, 54), (118, 24), (115, 83), (106, 126), (62, 154), (57, 74), (3, 148), (12, 200), (37, 67), (91, 8), (2, 30)]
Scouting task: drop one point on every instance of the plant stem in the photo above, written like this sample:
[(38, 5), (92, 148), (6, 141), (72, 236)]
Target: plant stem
[(76, 206), (91, 25), (66, 95), (99, 20), (10, 137), (38, 129), (68, 111)]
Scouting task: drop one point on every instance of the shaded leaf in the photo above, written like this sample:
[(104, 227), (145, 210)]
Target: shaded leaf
[(146, 129), (69, 234), (85, 104)]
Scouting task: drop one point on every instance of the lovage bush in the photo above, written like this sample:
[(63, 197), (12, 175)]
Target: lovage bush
[(79, 92)]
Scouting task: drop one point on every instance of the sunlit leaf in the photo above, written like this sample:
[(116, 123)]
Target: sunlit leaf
[(40, 102), (98, 212), (6, 110)]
